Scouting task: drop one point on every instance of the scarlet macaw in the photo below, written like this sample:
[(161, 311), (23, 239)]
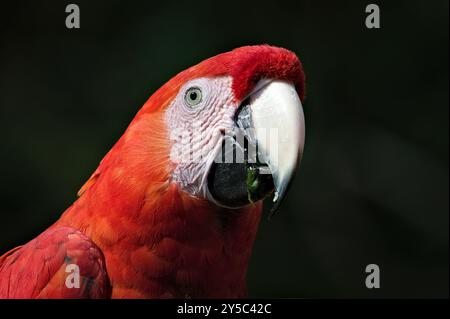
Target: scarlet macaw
[(161, 217)]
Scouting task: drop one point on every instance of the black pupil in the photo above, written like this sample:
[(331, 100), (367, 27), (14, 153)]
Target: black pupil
[(193, 96)]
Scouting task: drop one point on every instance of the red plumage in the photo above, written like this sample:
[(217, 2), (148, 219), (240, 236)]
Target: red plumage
[(133, 232)]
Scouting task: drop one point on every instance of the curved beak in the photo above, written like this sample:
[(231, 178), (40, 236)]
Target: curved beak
[(278, 125), (262, 156)]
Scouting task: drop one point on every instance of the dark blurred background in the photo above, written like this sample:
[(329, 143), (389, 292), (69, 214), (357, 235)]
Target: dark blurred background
[(374, 182)]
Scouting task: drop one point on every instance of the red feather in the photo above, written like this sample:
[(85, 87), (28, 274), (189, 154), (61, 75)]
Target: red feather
[(135, 234)]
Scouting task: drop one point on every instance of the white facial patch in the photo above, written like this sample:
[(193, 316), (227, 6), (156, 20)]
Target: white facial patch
[(196, 119)]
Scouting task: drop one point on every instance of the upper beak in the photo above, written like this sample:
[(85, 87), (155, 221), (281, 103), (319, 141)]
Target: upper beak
[(278, 130), (263, 156)]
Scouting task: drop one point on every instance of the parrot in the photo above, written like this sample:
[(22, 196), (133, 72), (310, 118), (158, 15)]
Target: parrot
[(173, 209)]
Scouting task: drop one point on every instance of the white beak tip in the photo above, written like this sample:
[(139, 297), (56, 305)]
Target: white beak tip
[(278, 119)]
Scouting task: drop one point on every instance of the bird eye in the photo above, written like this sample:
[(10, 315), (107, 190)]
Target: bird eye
[(193, 97)]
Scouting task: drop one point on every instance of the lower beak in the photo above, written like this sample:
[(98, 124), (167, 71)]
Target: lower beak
[(272, 122)]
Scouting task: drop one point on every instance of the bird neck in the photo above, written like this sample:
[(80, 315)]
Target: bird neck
[(159, 241)]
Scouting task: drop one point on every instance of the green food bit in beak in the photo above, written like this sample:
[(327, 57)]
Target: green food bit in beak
[(258, 185)]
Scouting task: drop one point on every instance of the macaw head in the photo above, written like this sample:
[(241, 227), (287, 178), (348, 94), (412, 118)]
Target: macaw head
[(179, 196), (229, 130)]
